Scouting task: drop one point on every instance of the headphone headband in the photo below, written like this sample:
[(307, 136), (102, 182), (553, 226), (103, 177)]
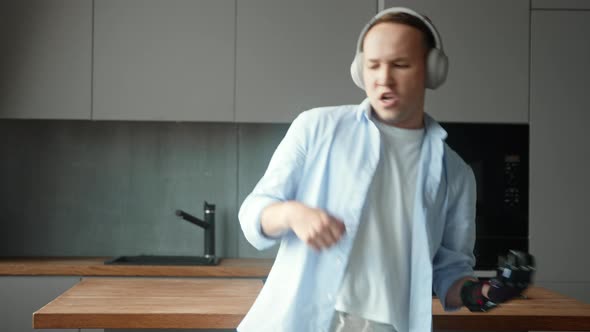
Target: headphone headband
[(436, 62), (393, 10)]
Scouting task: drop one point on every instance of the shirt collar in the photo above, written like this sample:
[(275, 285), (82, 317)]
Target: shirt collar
[(364, 110), (431, 127)]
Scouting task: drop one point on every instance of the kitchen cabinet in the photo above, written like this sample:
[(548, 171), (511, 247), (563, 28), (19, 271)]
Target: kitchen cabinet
[(125, 305), (164, 60), (46, 59), (22, 279), (23, 295), (559, 155), (487, 43), (296, 55)]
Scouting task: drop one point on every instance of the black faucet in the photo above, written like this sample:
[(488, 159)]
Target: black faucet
[(208, 225)]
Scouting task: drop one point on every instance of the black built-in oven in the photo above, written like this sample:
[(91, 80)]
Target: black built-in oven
[(499, 157)]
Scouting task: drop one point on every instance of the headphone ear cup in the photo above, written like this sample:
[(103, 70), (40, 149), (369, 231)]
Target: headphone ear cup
[(437, 67), (356, 70)]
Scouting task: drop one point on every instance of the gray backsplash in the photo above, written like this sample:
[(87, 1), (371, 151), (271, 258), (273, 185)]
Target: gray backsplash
[(94, 188)]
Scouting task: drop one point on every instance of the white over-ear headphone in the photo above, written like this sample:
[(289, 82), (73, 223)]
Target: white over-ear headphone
[(437, 63)]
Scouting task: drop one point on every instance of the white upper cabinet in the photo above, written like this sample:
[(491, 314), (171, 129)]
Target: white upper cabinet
[(45, 63), (559, 152), (487, 43), (167, 60), (560, 4), (296, 55)]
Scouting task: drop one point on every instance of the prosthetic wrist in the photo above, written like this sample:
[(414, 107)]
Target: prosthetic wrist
[(473, 298)]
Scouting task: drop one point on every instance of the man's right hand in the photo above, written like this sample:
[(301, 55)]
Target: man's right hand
[(316, 227), (313, 226)]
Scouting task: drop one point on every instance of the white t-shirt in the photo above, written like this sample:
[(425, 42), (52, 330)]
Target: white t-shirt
[(377, 279)]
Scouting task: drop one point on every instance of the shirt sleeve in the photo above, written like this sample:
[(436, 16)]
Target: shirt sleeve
[(279, 182), (454, 259)]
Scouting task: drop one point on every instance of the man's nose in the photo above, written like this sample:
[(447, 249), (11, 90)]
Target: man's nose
[(385, 76)]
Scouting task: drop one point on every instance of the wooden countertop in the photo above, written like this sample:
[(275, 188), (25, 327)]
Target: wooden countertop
[(542, 310), (150, 303), (94, 266), (221, 303)]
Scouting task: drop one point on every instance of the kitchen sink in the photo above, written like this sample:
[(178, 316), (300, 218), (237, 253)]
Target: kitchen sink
[(163, 260)]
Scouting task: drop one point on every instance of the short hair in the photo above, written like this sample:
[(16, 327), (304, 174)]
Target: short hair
[(407, 19)]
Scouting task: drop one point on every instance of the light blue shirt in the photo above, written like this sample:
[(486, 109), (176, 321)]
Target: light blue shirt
[(327, 160)]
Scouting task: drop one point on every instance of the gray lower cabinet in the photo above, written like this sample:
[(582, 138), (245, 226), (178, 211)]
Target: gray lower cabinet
[(487, 43), (22, 295), (296, 55), (559, 150), (164, 60), (45, 63)]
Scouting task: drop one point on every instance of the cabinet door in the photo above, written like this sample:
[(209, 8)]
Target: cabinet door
[(560, 4), (296, 55), (21, 296), (164, 60), (45, 63), (559, 153), (487, 43)]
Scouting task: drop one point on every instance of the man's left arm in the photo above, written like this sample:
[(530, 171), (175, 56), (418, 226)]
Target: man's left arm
[(453, 277), (454, 260)]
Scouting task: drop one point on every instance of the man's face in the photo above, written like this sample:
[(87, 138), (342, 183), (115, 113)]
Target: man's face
[(394, 74)]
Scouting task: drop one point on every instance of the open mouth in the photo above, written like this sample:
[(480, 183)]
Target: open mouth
[(387, 96), (388, 99)]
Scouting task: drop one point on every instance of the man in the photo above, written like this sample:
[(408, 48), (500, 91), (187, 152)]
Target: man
[(372, 209)]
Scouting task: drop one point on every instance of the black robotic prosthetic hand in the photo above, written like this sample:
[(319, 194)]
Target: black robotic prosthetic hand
[(514, 275)]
